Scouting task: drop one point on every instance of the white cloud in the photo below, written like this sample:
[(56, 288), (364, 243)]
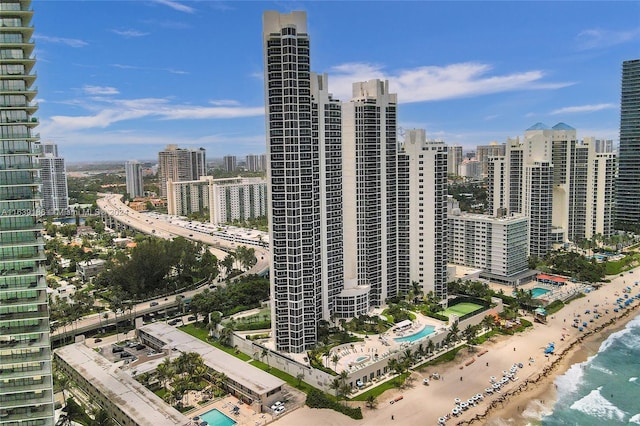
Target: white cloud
[(176, 6), (582, 108), (106, 111), (136, 67), (434, 83), (224, 102), (599, 38), (130, 33), (100, 90), (72, 42)]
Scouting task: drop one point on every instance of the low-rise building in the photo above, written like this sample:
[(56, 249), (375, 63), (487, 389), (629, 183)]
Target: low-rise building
[(243, 380), (90, 268), (126, 401)]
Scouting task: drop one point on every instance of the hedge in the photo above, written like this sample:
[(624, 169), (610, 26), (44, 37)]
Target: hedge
[(318, 399)]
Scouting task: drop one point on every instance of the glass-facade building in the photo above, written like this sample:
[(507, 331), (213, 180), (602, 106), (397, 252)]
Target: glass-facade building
[(628, 182), (26, 390)]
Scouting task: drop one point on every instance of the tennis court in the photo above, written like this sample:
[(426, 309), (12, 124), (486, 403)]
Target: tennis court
[(462, 309)]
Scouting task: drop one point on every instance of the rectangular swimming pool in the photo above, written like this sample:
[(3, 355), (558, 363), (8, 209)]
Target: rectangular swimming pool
[(216, 418)]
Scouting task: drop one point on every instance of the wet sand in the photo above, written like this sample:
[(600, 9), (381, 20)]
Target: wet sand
[(424, 405)]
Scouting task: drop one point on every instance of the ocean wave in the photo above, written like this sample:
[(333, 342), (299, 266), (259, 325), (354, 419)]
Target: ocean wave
[(635, 419), (595, 405), (615, 337), (570, 381), (602, 369), (536, 410), (633, 379)]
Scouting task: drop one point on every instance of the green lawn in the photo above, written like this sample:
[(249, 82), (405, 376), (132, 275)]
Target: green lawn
[(462, 309), (203, 335), (381, 388)]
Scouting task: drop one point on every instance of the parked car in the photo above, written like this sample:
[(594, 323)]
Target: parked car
[(117, 349), (152, 304), (98, 340), (140, 346), (192, 318), (279, 409)]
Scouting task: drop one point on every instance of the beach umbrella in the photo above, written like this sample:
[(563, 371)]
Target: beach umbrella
[(457, 400), (204, 423), (488, 390), (441, 420), (196, 418), (492, 378)]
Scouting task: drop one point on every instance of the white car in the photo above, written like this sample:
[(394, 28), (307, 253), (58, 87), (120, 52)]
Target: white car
[(279, 409)]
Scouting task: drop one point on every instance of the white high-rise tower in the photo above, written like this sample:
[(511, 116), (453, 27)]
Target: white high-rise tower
[(426, 170), (370, 176)]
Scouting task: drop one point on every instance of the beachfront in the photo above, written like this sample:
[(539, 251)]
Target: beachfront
[(426, 404)]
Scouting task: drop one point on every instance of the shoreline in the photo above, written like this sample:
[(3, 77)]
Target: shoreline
[(521, 401), (540, 390)]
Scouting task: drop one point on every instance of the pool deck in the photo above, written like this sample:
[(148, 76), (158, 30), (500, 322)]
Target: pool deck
[(378, 346), (248, 415)]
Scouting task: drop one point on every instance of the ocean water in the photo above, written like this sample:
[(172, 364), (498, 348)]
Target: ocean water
[(604, 390)]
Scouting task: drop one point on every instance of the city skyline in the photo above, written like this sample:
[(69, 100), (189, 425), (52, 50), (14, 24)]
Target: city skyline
[(106, 92)]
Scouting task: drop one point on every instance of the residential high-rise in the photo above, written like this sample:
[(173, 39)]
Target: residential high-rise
[(256, 163), (499, 245), (424, 162), (224, 200), (370, 178), (133, 176), (230, 163), (483, 152), (628, 181), (53, 173), (565, 186), (454, 159), (305, 185), (26, 393), (180, 164)]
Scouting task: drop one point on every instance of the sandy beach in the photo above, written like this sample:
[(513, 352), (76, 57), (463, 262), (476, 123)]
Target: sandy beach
[(532, 389)]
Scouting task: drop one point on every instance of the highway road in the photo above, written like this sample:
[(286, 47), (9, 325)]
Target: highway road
[(112, 205)]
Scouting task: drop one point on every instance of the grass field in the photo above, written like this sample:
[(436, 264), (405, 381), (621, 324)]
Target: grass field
[(461, 309)]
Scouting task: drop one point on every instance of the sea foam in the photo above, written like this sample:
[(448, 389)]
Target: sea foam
[(570, 381), (635, 419), (633, 379), (596, 405)]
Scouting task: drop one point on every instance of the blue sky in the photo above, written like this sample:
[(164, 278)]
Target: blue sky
[(119, 80)]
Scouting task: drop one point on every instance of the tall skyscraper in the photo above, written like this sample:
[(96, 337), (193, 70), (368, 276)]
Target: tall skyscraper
[(178, 164), (256, 163), (26, 392), (305, 185), (133, 176), (425, 164), (230, 163), (454, 160), (628, 182), (370, 178), (55, 192)]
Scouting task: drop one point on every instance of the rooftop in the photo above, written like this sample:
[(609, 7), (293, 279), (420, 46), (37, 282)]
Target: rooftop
[(239, 371), (135, 400)]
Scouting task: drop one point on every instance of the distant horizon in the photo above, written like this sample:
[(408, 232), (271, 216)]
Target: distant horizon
[(106, 92)]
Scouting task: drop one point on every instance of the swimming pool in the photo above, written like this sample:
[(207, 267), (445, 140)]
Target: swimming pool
[(538, 291), (362, 359), (216, 418), (427, 330)]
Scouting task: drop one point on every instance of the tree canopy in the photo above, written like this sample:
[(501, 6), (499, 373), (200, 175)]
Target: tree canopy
[(157, 266)]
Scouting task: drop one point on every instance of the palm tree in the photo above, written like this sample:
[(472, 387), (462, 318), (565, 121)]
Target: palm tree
[(372, 402), (263, 354), (64, 383), (454, 331), (430, 346), (102, 418), (164, 372), (407, 358), (225, 335), (334, 359)]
